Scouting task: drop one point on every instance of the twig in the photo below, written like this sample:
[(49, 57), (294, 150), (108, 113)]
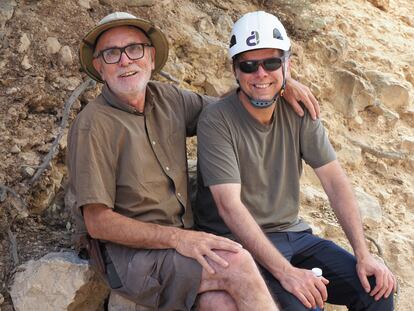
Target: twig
[(68, 105), (21, 206), (380, 252), (169, 77), (13, 245), (379, 153)]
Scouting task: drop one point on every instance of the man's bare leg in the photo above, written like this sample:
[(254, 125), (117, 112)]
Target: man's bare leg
[(241, 280), (216, 300)]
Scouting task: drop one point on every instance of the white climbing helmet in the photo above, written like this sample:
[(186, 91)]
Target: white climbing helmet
[(258, 30)]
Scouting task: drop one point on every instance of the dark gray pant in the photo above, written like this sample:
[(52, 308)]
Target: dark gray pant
[(307, 251)]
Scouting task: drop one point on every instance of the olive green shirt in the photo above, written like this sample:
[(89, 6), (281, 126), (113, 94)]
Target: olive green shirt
[(134, 163), (266, 160)]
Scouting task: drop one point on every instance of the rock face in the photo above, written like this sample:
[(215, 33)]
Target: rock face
[(58, 282)]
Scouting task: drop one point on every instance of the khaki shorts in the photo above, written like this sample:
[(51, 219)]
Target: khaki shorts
[(157, 279)]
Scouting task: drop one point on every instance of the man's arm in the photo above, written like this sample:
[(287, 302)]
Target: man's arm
[(343, 202), (105, 224), (310, 290)]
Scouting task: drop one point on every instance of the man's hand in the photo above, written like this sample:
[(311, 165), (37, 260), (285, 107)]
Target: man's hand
[(197, 245), (386, 283), (296, 92), (308, 288)]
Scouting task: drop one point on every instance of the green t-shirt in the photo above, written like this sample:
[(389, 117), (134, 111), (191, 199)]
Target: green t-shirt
[(266, 160)]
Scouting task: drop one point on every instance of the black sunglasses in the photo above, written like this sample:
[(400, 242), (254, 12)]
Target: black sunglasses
[(268, 64)]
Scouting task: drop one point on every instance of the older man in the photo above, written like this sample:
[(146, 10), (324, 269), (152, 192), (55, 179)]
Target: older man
[(128, 177), (251, 147)]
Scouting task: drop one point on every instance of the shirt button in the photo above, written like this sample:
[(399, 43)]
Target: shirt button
[(153, 142), (167, 168), (179, 194)]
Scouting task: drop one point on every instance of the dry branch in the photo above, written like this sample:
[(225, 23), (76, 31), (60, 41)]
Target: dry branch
[(393, 155), (68, 105), (20, 205), (13, 246), (169, 77)]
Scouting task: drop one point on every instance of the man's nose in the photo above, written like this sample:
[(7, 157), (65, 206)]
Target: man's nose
[(261, 71), (124, 60)]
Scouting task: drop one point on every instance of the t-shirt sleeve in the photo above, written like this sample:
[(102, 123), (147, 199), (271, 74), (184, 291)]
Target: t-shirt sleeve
[(216, 153), (315, 146), (92, 166)]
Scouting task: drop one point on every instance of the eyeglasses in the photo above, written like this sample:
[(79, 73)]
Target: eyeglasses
[(268, 64), (134, 51)]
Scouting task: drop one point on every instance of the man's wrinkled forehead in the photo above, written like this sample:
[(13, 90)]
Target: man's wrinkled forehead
[(111, 34)]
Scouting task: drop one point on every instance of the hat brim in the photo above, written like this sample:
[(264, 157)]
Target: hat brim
[(158, 40)]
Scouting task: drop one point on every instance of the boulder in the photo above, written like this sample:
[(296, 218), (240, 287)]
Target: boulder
[(58, 282)]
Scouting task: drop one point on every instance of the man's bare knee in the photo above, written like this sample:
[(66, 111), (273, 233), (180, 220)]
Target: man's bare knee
[(216, 300)]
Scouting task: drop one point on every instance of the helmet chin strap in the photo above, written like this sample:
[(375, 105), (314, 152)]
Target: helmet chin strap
[(258, 103)]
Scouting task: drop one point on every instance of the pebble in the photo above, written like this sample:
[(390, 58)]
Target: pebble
[(65, 55), (15, 149), (52, 45), (24, 43), (28, 171), (12, 91), (85, 4), (25, 63)]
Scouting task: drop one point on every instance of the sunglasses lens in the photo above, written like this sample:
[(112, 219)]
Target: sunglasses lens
[(272, 64), (249, 66), (269, 64)]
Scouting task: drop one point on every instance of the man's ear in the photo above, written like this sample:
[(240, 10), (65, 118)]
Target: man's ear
[(96, 62), (152, 58)]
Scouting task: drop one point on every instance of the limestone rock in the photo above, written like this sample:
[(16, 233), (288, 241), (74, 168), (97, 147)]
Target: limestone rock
[(224, 23), (15, 149), (353, 93), (24, 43), (381, 4), (85, 4), (57, 282), (310, 193), (218, 87), (369, 206), (351, 155), (25, 63), (138, 3), (407, 143), (6, 11), (392, 93), (65, 55), (205, 25), (52, 45)]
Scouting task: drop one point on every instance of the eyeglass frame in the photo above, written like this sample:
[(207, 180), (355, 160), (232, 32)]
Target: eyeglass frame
[(123, 50)]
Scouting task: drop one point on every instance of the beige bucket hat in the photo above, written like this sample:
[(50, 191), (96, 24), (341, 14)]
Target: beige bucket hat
[(157, 37)]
